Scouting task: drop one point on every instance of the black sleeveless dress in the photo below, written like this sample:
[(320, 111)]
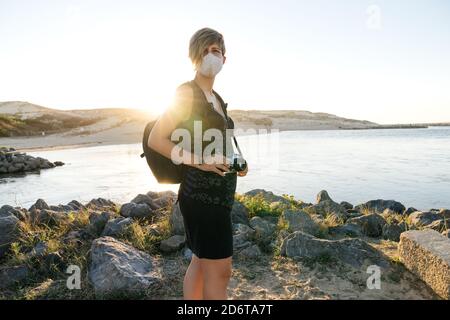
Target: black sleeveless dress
[(206, 198)]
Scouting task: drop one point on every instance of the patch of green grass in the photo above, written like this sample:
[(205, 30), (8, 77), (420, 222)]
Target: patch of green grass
[(258, 206), (139, 234)]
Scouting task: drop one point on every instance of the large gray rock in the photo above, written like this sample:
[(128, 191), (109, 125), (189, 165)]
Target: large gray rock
[(419, 219), (392, 232), (172, 244), (39, 204), (9, 232), (371, 224), (48, 217), (426, 253), (239, 213), (346, 230), (243, 236), (347, 205), (76, 205), (5, 210), (19, 213), (62, 208), (164, 198), (268, 196), (136, 210), (101, 203), (250, 252), (264, 229), (98, 221), (145, 199), (409, 211), (116, 268), (354, 252), (322, 196), (299, 220), (176, 220), (327, 207), (116, 227), (379, 205), (10, 276)]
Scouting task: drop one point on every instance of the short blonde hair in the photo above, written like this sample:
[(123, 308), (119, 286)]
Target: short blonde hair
[(202, 39)]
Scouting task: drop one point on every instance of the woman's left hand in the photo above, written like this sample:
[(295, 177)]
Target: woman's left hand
[(243, 173)]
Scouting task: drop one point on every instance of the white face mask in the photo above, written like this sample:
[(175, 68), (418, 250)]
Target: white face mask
[(211, 65)]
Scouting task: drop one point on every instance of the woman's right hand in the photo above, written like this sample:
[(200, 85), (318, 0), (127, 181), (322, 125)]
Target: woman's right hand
[(215, 164)]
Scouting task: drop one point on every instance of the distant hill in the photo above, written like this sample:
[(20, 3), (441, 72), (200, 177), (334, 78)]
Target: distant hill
[(294, 120), (18, 118)]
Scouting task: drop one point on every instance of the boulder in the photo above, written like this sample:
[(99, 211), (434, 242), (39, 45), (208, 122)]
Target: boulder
[(117, 267), (145, 199), (242, 236), (39, 204), (250, 252), (5, 210), (98, 221), (76, 205), (379, 205), (136, 210), (19, 213), (10, 276), (409, 211), (327, 207), (371, 224), (9, 232), (62, 208), (426, 253), (268, 196), (100, 203), (239, 213), (419, 219), (322, 196), (351, 230), (354, 252), (346, 205), (176, 220), (165, 198), (116, 227), (48, 217), (174, 243), (392, 232), (263, 229), (299, 220)]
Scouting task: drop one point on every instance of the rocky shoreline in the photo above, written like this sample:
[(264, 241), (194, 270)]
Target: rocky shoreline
[(284, 248), (12, 161)]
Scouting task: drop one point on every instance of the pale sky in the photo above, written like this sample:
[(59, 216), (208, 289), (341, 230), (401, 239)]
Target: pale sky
[(382, 61)]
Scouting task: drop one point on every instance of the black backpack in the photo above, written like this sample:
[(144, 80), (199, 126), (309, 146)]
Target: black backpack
[(164, 170)]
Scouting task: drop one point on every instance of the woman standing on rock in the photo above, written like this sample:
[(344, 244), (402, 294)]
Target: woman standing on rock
[(206, 194)]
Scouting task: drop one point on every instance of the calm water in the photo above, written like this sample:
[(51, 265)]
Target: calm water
[(408, 165)]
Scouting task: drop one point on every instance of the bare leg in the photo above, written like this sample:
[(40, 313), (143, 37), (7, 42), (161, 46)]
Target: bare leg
[(216, 275), (193, 280)]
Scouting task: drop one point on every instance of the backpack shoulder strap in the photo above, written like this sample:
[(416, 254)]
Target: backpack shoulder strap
[(224, 106)]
